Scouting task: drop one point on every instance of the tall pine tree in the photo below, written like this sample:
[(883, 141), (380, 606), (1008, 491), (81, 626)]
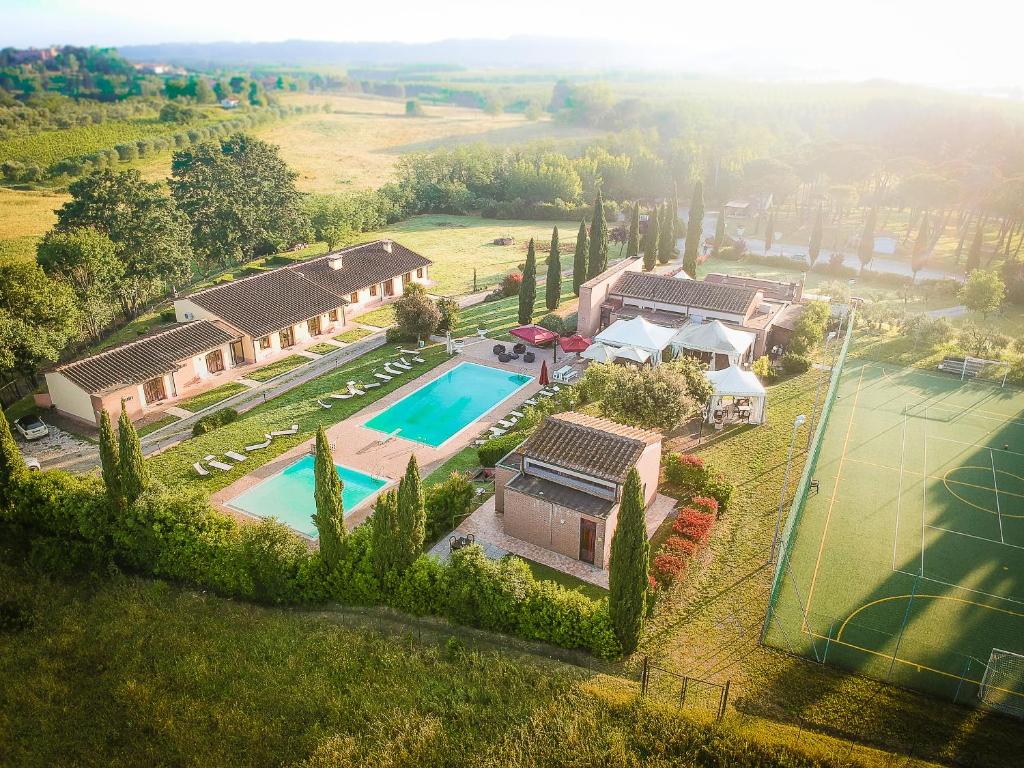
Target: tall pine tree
[(666, 238), (633, 242), (719, 233), (385, 534), (330, 512), (528, 289), (866, 247), (630, 562), (579, 259), (134, 473), (110, 464), (694, 230), (598, 259), (12, 469), (412, 516), (651, 240), (814, 246), (553, 286)]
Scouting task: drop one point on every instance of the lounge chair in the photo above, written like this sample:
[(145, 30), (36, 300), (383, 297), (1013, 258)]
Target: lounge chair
[(517, 414), (531, 401), (354, 389), (258, 446), (221, 466), (418, 360), (203, 471), (408, 352), (283, 432), (209, 457), (234, 455), (388, 369), (370, 385), (325, 406), (505, 423), (402, 363), (545, 393), (382, 377), (496, 432), (475, 442), (556, 388), (341, 395)]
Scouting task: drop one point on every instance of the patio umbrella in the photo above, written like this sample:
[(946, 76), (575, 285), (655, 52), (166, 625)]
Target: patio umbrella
[(574, 343), (534, 335), (544, 374)]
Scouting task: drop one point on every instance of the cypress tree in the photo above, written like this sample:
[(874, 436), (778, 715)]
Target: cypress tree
[(694, 230), (12, 469), (598, 260), (719, 233), (633, 243), (110, 462), (412, 516), (919, 256), (627, 575), (974, 255), (330, 512), (579, 259), (666, 240), (385, 533), (134, 474), (814, 246), (866, 247), (553, 287), (528, 289), (651, 240)]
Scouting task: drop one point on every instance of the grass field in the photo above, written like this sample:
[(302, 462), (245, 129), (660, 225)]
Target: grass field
[(212, 396), (276, 368), (908, 563)]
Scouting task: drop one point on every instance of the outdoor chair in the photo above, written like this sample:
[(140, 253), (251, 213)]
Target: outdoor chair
[(382, 376), (258, 446), (517, 414), (519, 349), (221, 466), (234, 455), (341, 395), (283, 432), (353, 389), (499, 349), (529, 357), (322, 404), (370, 385), (531, 401), (201, 470), (402, 364), (504, 357)]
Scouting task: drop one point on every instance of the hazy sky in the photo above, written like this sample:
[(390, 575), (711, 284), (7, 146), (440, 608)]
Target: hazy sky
[(930, 41)]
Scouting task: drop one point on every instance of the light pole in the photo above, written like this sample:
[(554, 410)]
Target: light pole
[(797, 423)]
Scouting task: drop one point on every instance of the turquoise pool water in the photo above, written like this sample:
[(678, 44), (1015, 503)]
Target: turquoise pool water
[(288, 495), (436, 411)]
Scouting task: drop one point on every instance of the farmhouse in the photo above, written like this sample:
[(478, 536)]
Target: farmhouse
[(561, 489)]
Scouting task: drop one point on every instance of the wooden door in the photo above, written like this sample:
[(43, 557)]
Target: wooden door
[(588, 540), (215, 361), (154, 390)]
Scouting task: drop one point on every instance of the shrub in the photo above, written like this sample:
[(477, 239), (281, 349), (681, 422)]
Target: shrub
[(794, 364), (684, 470), (668, 566), (720, 489), (511, 283), (212, 421), (680, 546), (168, 315), (395, 335), (694, 525), (446, 504), (553, 323), (705, 504), (762, 367), (495, 449), (449, 311), (570, 323)]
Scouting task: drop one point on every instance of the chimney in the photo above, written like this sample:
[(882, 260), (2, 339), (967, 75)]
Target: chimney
[(335, 262), (386, 245)]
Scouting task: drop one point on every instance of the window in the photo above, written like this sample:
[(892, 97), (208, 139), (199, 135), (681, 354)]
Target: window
[(333, 315), (265, 342), (373, 290), (215, 361), (286, 338), (354, 298), (238, 352), (389, 288), (313, 326), (419, 272)]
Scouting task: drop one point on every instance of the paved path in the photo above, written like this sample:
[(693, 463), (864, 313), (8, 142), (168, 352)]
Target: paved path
[(948, 312)]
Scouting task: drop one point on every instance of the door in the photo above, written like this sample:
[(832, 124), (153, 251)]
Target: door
[(588, 540), (313, 325), (215, 361), (389, 288), (286, 338), (153, 390), (238, 352)]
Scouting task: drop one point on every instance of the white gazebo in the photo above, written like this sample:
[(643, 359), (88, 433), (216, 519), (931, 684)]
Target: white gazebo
[(639, 333), (738, 397), (598, 353), (714, 339), (633, 355)]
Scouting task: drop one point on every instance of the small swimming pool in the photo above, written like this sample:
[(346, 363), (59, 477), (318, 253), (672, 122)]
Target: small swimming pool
[(288, 495), (436, 411)]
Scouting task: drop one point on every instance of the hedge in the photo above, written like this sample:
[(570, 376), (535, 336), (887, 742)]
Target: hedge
[(692, 475), (495, 449), (211, 421)]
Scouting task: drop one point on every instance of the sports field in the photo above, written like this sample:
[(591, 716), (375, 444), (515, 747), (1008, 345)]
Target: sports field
[(907, 561)]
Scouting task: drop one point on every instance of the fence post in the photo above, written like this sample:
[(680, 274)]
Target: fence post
[(725, 699), (644, 672), (967, 668), (828, 641), (682, 692)]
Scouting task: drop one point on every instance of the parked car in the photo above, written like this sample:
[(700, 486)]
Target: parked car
[(31, 427), (33, 464)]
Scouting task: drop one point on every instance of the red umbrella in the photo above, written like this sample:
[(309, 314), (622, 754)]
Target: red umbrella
[(574, 343), (544, 374), (534, 334)]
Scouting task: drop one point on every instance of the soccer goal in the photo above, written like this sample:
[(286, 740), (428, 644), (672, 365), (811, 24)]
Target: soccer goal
[(1002, 686)]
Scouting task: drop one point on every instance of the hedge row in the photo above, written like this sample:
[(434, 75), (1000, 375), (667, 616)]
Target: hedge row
[(693, 476)]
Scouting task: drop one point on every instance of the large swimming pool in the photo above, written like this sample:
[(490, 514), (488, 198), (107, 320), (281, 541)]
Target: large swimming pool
[(288, 495), (436, 411)]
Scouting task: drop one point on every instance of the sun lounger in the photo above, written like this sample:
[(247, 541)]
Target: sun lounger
[(545, 393), (221, 466), (531, 401), (209, 457), (382, 377), (475, 442), (353, 389), (517, 414), (234, 455), (204, 472), (282, 432), (325, 406), (258, 446), (506, 424), (496, 432), (370, 385), (392, 371), (556, 388), (402, 364), (341, 395)]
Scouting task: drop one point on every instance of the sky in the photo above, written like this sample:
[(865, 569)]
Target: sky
[(936, 42)]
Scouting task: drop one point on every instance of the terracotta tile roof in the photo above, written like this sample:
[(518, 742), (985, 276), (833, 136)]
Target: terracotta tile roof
[(588, 444), (267, 302), (143, 359), (684, 293), (772, 289)]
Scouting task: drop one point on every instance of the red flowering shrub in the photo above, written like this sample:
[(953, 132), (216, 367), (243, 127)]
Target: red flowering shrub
[(511, 283), (705, 504), (668, 566), (694, 524), (677, 545), (685, 470)]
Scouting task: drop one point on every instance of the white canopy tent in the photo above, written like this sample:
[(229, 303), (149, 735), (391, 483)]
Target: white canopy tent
[(632, 354), (598, 353), (738, 396), (639, 333), (715, 338)]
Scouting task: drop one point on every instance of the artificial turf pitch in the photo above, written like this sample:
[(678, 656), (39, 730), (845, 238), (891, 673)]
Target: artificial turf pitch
[(907, 563)]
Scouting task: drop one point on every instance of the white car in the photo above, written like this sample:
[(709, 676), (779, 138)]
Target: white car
[(31, 427)]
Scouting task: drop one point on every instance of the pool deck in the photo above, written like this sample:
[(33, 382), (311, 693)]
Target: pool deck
[(356, 446)]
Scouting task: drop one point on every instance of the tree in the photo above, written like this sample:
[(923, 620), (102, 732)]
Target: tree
[(652, 398), (983, 292), (666, 235), (598, 261), (110, 462), (85, 260), (204, 91), (633, 242), (12, 469), (866, 246), (416, 314), (413, 108), (974, 255), (149, 233), (579, 259), (922, 247), (719, 234), (809, 329), (769, 235), (448, 308), (385, 533), (412, 516), (240, 198), (330, 512), (814, 246), (553, 286), (630, 563), (694, 230), (133, 473), (651, 240), (528, 289)]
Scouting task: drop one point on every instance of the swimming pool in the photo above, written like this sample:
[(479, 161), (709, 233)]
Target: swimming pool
[(436, 411), (288, 495)]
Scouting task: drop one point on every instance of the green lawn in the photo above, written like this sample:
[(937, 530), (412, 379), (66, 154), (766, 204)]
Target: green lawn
[(465, 461), (498, 317), (323, 348), (285, 364), (212, 396), (22, 407), (542, 572), (353, 334), (382, 317), (153, 426), (299, 406)]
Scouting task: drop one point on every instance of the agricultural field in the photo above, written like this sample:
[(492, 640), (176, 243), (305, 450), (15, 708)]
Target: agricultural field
[(24, 217)]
